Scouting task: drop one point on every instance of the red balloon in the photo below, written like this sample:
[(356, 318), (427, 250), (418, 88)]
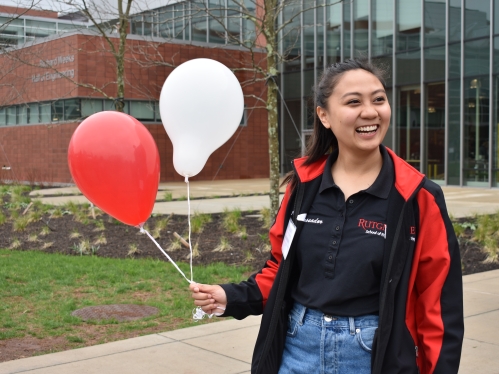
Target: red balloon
[(114, 162)]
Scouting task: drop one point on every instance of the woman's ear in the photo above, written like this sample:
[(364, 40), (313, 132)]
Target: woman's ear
[(322, 114)]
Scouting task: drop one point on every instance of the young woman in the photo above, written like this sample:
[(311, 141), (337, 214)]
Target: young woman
[(364, 274)]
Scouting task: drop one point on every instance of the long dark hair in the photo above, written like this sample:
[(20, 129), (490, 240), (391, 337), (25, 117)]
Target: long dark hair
[(323, 140)]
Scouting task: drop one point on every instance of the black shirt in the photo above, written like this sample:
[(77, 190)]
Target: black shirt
[(340, 249)]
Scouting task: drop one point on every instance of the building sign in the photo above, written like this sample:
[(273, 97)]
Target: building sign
[(55, 74)]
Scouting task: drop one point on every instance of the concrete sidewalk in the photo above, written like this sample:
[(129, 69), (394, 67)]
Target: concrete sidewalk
[(225, 347), (229, 194)]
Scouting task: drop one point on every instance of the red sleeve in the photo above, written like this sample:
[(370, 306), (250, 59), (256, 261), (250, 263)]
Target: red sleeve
[(266, 277), (435, 293)]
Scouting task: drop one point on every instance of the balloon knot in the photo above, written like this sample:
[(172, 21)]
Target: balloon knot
[(142, 231), (186, 180)]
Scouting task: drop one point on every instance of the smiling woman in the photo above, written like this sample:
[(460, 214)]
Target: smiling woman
[(364, 264)]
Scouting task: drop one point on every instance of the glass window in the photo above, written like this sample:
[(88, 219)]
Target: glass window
[(142, 110), (291, 38), (57, 111), (45, 113), (308, 33), (435, 131), (157, 111), (292, 85), (149, 25), (347, 29), (387, 64), (90, 106), (198, 21), (40, 28), (476, 131), (388, 140), (63, 27), (333, 31), (409, 125), (249, 28), (319, 29), (434, 18), (181, 31), (409, 67), (408, 24), (434, 64), (12, 115), (111, 105), (496, 17), (496, 54), (476, 57), (3, 120), (454, 20), (455, 60), (291, 132), (72, 109), (361, 28), (11, 31), (234, 23), (22, 115), (165, 23), (476, 18), (136, 25), (495, 136), (382, 27), (216, 32), (34, 113), (454, 140)]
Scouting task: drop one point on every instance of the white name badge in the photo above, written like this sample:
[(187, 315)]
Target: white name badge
[(288, 238)]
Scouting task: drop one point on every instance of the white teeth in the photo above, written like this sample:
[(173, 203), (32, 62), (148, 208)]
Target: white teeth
[(367, 128)]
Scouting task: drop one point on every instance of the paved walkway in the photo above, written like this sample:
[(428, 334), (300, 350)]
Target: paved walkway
[(229, 194), (226, 346)]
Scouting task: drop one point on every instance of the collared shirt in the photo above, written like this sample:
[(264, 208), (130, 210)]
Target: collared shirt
[(340, 249)]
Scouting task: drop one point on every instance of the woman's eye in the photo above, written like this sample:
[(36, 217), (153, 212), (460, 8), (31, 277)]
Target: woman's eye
[(380, 99), (353, 102)]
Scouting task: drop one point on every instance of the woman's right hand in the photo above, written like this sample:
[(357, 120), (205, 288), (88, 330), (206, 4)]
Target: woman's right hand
[(211, 298)]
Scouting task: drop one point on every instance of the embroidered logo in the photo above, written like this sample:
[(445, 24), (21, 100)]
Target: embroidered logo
[(373, 227), (413, 232)]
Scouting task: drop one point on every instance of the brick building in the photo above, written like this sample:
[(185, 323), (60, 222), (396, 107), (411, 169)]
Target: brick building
[(50, 84)]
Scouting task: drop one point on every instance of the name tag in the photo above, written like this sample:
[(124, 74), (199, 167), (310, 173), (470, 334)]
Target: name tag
[(288, 238)]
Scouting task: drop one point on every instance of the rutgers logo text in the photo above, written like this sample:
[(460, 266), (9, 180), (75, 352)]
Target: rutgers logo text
[(373, 227)]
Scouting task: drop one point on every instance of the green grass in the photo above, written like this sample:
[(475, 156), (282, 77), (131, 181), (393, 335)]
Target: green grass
[(39, 291)]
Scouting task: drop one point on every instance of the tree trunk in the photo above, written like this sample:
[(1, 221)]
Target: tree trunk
[(119, 103), (274, 157)]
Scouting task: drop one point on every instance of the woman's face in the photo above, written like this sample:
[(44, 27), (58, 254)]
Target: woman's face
[(357, 112)]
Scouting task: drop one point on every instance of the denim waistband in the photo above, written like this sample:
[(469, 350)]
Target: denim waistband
[(302, 313)]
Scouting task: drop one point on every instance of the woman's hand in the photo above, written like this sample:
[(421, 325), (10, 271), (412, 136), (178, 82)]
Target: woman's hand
[(212, 299)]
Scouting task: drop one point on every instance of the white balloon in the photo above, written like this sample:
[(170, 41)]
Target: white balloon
[(201, 106)]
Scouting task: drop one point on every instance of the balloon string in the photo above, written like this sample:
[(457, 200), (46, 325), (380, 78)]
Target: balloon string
[(189, 220), (144, 231), (197, 313)]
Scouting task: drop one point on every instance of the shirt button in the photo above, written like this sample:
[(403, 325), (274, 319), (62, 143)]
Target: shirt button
[(337, 228), (328, 318), (350, 201), (330, 257), (334, 242)]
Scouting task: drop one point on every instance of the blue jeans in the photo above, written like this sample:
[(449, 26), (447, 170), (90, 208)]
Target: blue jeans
[(318, 343)]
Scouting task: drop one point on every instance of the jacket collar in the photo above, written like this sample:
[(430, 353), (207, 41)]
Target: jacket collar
[(407, 178)]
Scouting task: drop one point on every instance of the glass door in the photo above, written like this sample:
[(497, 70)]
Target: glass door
[(409, 125)]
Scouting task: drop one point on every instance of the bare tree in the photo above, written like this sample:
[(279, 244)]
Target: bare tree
[(269, 24)]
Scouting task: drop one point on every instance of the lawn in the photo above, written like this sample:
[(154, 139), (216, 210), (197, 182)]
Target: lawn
[(39, 291)]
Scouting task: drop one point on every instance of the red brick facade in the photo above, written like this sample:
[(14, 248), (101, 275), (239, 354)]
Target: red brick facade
[(38, 153)]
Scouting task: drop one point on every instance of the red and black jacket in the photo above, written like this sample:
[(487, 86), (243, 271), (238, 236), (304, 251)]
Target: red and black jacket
[(421, 301)]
